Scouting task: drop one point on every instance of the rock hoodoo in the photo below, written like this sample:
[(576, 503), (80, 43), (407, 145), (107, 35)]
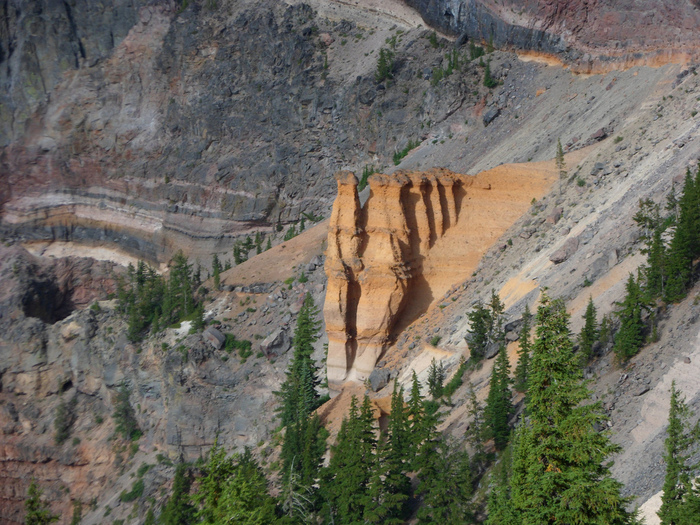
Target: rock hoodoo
[(418, 234)]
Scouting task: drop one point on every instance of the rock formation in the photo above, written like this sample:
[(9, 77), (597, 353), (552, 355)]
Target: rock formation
[(418, 234), (579, 32)]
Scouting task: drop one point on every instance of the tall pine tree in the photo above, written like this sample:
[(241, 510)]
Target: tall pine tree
[(680, 502), (498, 404), (589, 332), (630, 337), (560, 469), (522, 368)]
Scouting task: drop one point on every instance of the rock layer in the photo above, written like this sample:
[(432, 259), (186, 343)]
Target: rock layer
[(588, 35), (418, 234)]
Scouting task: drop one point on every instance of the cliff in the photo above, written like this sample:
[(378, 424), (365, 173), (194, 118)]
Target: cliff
[(418, 235), (587, 35)]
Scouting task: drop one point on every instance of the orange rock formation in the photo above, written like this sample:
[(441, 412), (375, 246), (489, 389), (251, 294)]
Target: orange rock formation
[(418, 234)]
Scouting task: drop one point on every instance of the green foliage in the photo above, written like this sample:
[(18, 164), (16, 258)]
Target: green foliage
[(499, 508), (36, 511), (498, 404), (435, 340), (560, 468), (436, 378), (475, 51), (589, 332), (489, 81), (65, 417), (522, 369), (291, 233), (258, 243), (630, 337), (680, 502), (135, 493), (485, 327), (432, 39), (244, 346), (77, 512), (216, 271), (179, 510), (124, 416), (560, 162), (149, 301), (456, 381), (385, 65), (399, 155), (366, 172)]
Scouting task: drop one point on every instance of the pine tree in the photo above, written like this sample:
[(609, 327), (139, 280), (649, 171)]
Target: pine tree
[(390, 487), (680, 502), (178, 510), (346, 482), (258, 243), (436, 378), (499, 508), (560, 163), (446, 488), (656, 272), (630, 337), (522, 368), (680, 250), (560, 474), (124, 416), (268, 246), (498, 403), (589, 332), (36, 511), (216, 270), (480, 324)]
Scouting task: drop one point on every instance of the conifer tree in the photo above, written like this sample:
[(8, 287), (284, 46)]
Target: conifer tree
[(390, 487), (680, 502), (681, 248), (560, 474), (268, 246), (589, 332), (486, 326), (446, 488), (179, 510), (346, 481), (656, 272), (499, 508), (216, 271), (630, 337), (498, 403), (522, 368), (560, 164), (258, 243), (436, 378), (36, 511)]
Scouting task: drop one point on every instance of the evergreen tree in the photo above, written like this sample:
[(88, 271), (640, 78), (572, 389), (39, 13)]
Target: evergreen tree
[(499, 508), (218, 469), (150, 518), (36, 511), (475, 431), (178, 510), (346, 481), (268, 246), (436, 378), (560, 162), (258, 243), (589, 332), (681, 248), (124, 416), (216, 271), (680, 502), (522, 368), (498, 403), (390, 487), (656, 272), (485, 326), (446, 491), (560, 474), (630, 337), (385, 65)]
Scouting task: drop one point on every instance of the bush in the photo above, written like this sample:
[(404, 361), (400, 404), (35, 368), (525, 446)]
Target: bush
[(489, 81), (399, 155), (456, 381), (366, 172), (135, 492), (124, 416), (435, 340), (385, 65)]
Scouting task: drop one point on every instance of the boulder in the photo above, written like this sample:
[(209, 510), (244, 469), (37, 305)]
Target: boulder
[(276, 344), (566, 251), (379, 378), (214, 337)]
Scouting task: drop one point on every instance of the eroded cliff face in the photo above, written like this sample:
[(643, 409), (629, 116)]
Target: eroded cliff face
[(588, 35), (418, 234)]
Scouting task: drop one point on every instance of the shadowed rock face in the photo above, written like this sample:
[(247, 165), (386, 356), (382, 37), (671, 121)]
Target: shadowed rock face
[(589, 35)]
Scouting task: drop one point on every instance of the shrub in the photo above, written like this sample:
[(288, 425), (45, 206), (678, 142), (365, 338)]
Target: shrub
[(435, 340), (366, 172), (399, 155), (135, 492), (385, 65)]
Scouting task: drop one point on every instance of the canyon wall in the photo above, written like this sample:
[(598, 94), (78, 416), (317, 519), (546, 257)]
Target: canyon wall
[(418, 235), (587, 35)]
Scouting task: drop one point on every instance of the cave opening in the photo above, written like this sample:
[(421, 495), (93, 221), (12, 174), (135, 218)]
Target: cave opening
[(44, 300)]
